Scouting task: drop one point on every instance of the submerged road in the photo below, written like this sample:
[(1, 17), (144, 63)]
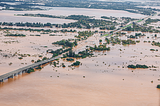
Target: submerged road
[(25, 69)]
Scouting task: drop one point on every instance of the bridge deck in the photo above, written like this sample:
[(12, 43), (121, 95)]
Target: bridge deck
[(12, 73)]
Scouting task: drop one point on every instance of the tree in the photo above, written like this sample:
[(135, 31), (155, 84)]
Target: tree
[(30, 70), (155, 35), (77, 63), (71, 53), (75, 43), (100, 40), (54, 63)]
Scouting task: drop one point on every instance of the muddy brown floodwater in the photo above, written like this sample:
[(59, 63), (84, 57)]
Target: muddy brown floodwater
[(103, 80), (8, 16), (107, 82)]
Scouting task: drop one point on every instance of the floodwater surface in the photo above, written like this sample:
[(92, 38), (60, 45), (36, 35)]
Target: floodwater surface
[(8, 16), (103, 80)]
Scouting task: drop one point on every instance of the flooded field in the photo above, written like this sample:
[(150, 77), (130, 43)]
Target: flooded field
[(101, 80), (32, 45), (107, 79), (101, 86), (8, 16), (156, 7)]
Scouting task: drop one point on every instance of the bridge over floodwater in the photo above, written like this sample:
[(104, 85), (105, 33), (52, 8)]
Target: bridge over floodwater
[(24, 69)]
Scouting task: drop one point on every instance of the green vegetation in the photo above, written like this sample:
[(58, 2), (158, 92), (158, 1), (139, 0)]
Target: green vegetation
[(158, 86), (127, 42), (106, 35), (32, 61), (20, 58), (127, 26), (152, 49), (24, 29), (40, 56), (115, 40), (77, 63), (64, 31), (137, 66), (70, 59), (136, 35), (41, 15), (58, 51), (77, 17), (84, 35), (54, 63), (74, 17), (82, 22), (30, 70), (66, 43), (131, 66), (140, 28), (71, 43), (108, 28), (44, 58), (105, 17), (128, 18), (63, 65), (86, 23), (39, 30), (38, 61), (155, 43), (100, 40), (39, 67), (155, 35), (140, 20), (27, 24), (149, 21), (85, 53), (16, 35), (100, 48), (137, 41), (145, 41), (23, 55), (81, 54)]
